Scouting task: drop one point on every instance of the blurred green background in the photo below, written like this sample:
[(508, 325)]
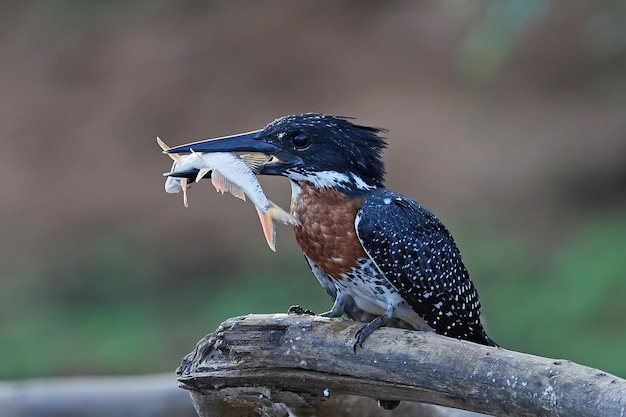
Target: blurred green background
[(506, 118)]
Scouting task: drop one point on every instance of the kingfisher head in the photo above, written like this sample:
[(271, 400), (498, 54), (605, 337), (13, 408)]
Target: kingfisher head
[(326, 150)]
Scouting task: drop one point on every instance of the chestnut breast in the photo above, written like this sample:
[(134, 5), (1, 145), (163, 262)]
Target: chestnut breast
[(327, 234)]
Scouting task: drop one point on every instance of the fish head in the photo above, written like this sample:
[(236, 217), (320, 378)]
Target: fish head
[(327, 150)]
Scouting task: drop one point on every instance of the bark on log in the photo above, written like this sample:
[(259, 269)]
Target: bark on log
[(257, 362)]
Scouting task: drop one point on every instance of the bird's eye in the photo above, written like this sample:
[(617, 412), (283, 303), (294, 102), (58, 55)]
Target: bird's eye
[(300, 141)]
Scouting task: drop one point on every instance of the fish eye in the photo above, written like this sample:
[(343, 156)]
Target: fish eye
[(300, 141)]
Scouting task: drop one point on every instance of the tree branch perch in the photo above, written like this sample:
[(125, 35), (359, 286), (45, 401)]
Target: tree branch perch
[(261, 360)]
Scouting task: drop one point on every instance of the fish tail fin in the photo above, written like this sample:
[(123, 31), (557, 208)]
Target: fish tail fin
[(281, 215), (222, 184), (274, 213), (267, 222)]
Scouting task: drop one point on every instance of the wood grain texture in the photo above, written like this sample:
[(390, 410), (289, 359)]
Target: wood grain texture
[(301, 360)]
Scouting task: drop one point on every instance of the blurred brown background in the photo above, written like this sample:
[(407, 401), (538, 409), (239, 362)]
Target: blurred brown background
[(506, 118)]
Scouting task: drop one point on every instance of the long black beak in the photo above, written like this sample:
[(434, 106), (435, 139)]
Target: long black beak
[(244, 142)]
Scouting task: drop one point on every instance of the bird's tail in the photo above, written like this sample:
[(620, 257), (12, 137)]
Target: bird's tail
[(490, 342), (483, 339)]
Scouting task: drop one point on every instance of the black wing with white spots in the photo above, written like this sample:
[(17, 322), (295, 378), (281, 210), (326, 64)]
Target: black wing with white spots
[(418, 256)]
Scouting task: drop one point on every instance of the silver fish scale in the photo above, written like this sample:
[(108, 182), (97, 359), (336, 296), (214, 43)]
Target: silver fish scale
[(417, 255)]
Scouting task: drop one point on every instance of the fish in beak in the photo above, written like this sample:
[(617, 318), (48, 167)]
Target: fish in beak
[(251, 142), (229, 172)]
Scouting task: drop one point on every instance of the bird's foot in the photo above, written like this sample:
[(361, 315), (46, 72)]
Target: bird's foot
[(365, 331), (299, 311)]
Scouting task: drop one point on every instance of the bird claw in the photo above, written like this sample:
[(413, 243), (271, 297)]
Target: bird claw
[(360, 336), (296, 309), (359, 339), (365, 331)]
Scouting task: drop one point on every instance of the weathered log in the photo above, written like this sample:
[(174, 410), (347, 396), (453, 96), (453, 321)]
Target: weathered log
[(260, 361)]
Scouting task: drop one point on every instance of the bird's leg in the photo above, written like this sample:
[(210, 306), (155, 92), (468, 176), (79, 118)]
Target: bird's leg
[(336, 311), (338, 307), (380, 321)]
